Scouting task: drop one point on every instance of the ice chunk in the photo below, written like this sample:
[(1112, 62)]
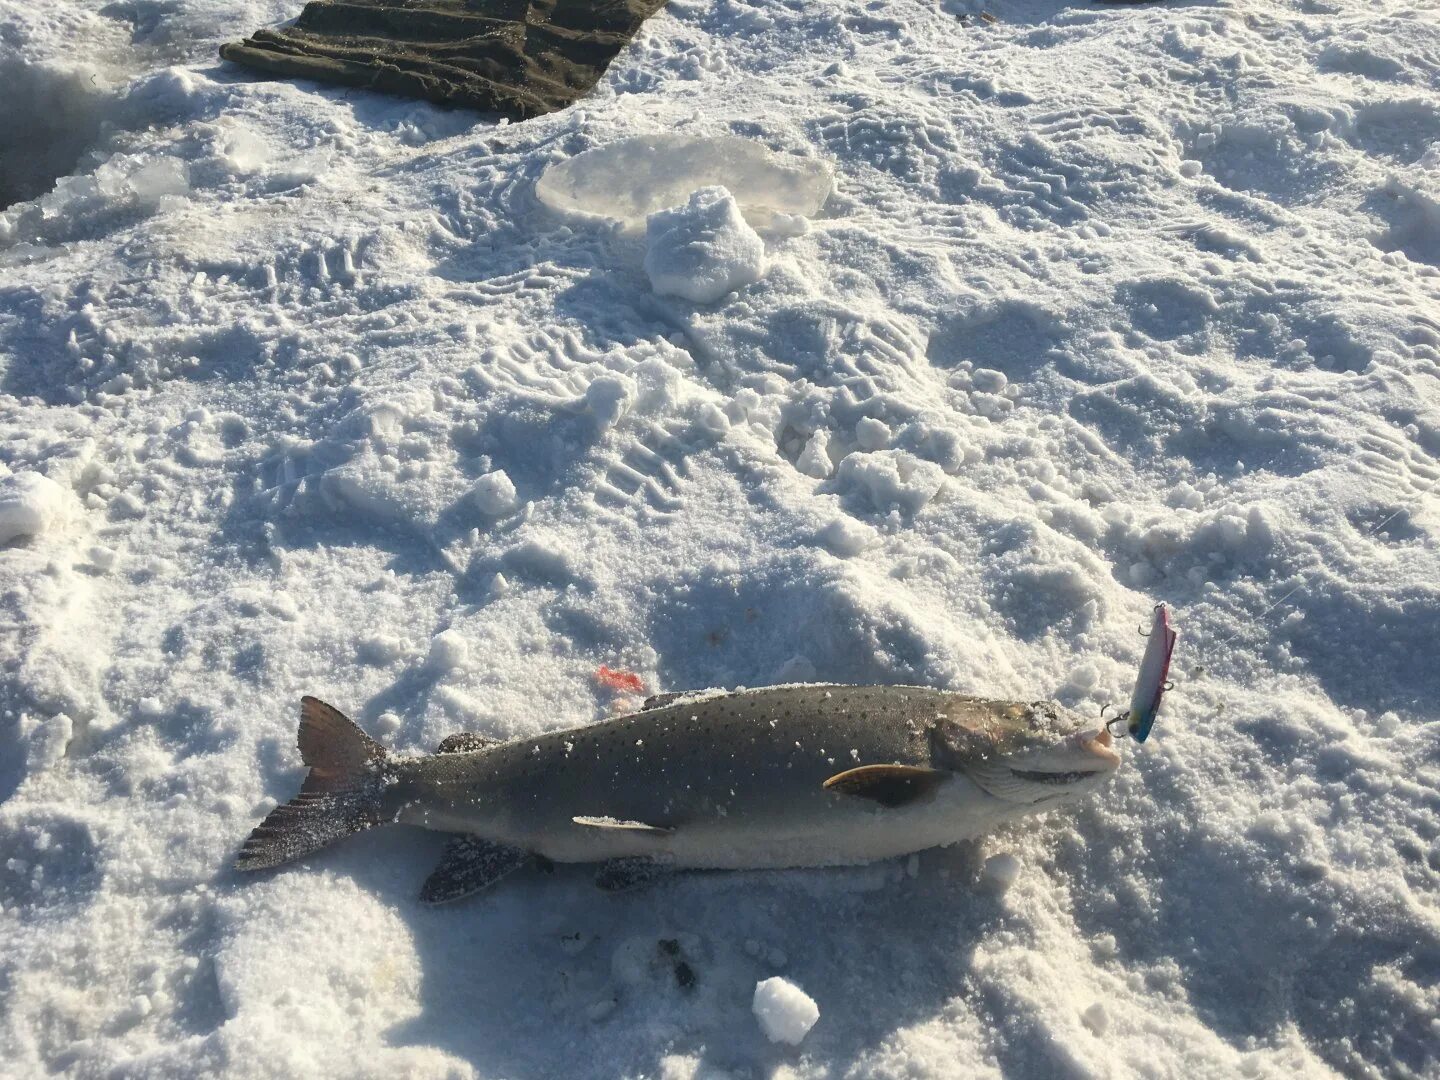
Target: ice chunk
[(702, 250), (786, 1013), (162, 177), (31, 504), (627, 181)]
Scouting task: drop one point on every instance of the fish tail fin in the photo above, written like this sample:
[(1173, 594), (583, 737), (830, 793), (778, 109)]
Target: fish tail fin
[(343, 794)]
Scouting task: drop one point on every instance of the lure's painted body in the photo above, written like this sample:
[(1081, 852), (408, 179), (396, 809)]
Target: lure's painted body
[(1150, 684)]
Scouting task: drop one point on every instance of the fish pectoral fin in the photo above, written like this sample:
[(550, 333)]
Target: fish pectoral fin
[(889, 785), (630, 872), (616, 823), (470, 863), (465, 742)]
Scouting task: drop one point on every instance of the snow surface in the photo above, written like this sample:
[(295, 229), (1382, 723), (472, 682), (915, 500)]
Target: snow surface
[(784, 1011), (1109, 305), (702, 250)]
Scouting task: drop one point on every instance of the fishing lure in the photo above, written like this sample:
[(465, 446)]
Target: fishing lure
[(1152, 682)]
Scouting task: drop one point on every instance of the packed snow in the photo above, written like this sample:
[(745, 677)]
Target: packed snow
[(784, 1011), (1067, 309), (702, 250)]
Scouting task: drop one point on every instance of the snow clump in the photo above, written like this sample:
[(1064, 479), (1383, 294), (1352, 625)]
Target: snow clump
[(31, 504), (704, 249), (494, 493), (786, 1013)]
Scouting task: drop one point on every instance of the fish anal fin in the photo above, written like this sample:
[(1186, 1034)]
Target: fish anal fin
[(470, 863), (629, 872), (465, 742), (889, 785), (600, 822)]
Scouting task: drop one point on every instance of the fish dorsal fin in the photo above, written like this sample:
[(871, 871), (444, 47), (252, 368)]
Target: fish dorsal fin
[(889, 785), (470, 864), (659, 701), (616, 823), (465, 742)]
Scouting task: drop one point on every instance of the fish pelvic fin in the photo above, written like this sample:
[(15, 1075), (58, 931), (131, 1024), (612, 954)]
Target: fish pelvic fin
[(343, 794), (888, 785)]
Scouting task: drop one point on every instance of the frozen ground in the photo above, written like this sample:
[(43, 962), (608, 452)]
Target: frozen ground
[(1108, 305)]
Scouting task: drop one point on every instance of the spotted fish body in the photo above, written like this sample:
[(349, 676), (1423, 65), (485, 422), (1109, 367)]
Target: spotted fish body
[(776, 777)]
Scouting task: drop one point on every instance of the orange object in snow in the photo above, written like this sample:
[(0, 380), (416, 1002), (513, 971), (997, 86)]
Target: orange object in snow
[(620, 680)]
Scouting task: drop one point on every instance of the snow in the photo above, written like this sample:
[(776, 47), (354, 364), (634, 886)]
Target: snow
[(702, 250), (305, 390), (784, 1011), (31, 505)]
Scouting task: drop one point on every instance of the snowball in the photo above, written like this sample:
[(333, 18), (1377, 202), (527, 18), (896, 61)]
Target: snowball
[(609, 397), (702, 250), (1096, 1018), (448, 651), (872, 434), (988, 380), (629, 180), (31, 504), (1000, 871), (814, 460), (847, 537), (494, 493), (786, 1013), (49, 740), (892, 478)]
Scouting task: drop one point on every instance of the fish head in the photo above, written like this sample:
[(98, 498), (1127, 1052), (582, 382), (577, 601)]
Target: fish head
[(1029, 753)]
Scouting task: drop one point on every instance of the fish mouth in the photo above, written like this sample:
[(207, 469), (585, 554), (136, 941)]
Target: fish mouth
[(1100, 743), (1090, 753)]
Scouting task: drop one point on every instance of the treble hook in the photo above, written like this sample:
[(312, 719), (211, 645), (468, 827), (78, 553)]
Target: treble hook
[(1123, 719)]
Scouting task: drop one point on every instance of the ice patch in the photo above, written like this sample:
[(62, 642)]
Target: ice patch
[(629, 180), (785, 1012), (704, 249)]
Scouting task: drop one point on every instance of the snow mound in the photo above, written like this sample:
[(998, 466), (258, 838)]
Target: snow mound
[(31, 504), (704, 249), (785, 1012), (629, 180)]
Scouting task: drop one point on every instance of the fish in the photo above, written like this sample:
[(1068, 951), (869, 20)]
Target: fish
[(769, 778)]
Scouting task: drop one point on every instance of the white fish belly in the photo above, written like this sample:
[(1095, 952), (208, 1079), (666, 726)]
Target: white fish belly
[(846, 831)]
